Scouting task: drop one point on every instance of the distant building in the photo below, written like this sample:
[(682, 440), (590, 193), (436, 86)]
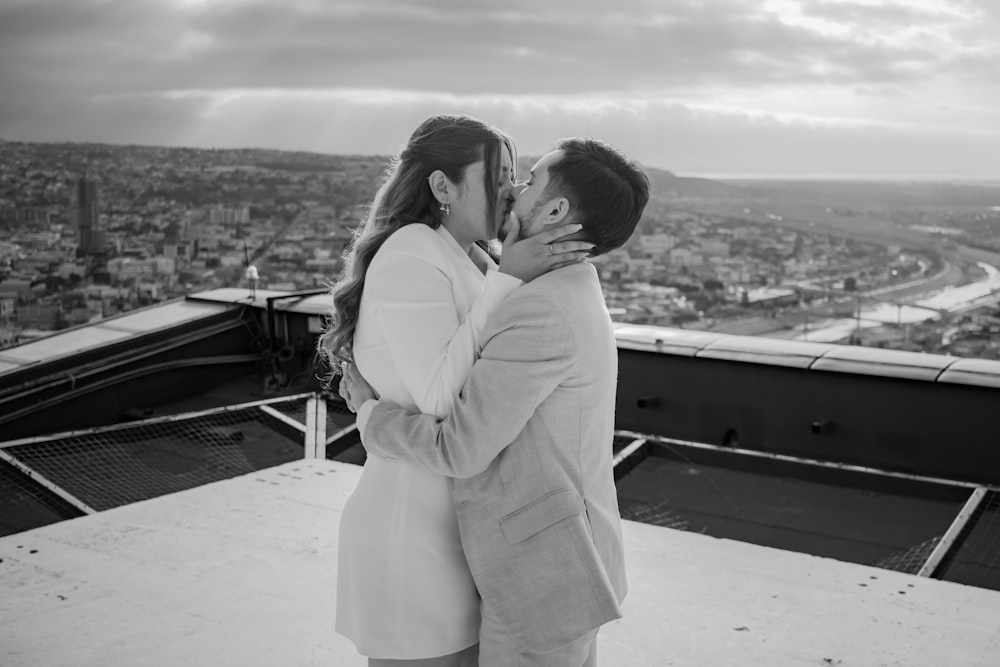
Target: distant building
[(715, 248), (15, 290), (30, 216), (769, 296), (165, 266), (658, 244), (222, 215), (43, 316), (685, 257), (128, 268), (91, 237), (40, 239)]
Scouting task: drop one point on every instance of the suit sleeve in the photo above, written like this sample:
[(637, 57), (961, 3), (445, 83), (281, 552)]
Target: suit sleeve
[(530, 349), (432, 347)]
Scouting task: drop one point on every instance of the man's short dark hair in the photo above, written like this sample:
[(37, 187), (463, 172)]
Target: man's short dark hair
[(607, 190)]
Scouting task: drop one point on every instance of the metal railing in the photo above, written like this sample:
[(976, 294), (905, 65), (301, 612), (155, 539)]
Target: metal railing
[(967, 552), (91, 470)]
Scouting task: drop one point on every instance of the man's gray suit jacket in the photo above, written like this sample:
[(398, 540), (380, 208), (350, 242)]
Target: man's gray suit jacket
[(528, 444)]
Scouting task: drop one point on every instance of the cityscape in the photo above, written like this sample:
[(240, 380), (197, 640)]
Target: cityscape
[(88, 231), (791, 414)]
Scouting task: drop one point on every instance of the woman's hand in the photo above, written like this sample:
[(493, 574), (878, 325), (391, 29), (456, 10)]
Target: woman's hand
[(537, 255), (354, 389)]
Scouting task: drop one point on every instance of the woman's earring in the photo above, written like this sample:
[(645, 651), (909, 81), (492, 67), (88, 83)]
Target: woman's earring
[(446, 208)]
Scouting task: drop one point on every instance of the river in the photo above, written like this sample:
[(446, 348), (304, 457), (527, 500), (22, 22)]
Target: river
[(929, 307)]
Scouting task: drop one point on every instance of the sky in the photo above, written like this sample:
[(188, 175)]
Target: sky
[(765, 88)]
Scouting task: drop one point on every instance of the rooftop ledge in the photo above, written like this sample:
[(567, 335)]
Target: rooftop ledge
[(829, 357), (243, 572), (311, 305)]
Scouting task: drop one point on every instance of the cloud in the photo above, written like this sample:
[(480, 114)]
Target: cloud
[(684, 138), (688, 85), (514, 47)]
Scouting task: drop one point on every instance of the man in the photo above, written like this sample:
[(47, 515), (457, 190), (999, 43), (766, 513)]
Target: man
[(528, 442)]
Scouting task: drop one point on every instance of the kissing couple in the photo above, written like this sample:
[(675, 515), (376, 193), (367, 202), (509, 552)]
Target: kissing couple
[(484, 529)]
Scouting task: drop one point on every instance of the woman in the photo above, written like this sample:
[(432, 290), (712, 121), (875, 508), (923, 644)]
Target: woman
[(409, 310)]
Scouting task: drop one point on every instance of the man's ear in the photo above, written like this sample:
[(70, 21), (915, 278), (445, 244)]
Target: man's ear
[(438, 183), (556, 211)]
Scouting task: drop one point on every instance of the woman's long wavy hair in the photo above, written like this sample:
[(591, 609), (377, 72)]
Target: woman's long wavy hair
[(449, 143)]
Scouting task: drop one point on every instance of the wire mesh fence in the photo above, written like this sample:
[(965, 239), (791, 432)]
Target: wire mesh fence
[(338, 416), (657, 514), (620, 442), (25, 504), (295, 407), (910, 560), (974, 558), (968, 553), (347, 448), (50, 479), (109, 467)]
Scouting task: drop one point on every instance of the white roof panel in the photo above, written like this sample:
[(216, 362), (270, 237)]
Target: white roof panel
[(179, 580), (8, 365), (64, 343), (759, 350), (887, 363), (160, 317), (105, 332), (980, 372), (666, 340)]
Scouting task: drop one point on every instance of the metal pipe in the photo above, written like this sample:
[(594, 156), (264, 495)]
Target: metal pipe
[(341, 433), (184, 416), (630, 449), (271, 312), (944, 546), (44, 482), (122, 377), (282, 417), (124, 358), (656, 439)]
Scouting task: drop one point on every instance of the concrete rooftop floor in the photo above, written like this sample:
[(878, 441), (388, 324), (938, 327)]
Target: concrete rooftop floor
[(243, 572)]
